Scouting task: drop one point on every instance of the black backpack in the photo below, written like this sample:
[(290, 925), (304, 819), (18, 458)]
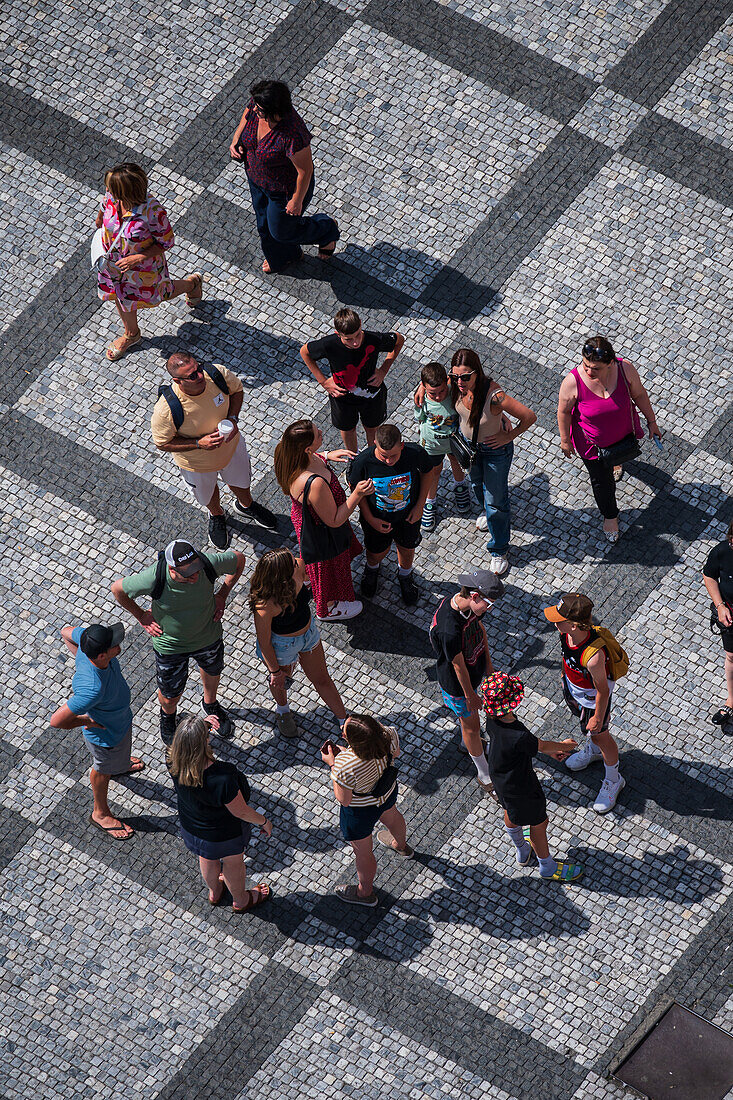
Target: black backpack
[(166, 390), (159, 584)]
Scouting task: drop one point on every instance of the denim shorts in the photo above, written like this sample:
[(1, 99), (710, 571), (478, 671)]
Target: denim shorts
[(217, 849), (456, 703), (287, 648), (357, 822)]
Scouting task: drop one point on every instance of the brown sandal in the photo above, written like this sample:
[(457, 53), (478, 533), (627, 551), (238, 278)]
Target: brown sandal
[(256, 897), (116, 350), (194, 299)]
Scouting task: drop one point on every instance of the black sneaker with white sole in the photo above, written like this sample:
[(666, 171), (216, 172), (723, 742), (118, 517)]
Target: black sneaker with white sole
[(369, 581), (168, 723), (218, 534), (257, 513), (408, 588), (226, 726)]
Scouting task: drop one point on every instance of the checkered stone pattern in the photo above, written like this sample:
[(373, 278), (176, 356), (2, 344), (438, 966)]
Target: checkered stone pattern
[(471, 978)]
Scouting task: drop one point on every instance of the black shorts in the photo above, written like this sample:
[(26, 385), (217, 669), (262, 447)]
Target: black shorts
[(407, 535), (524, 811), (726, 632), (436, 460), (171, 669), (584, 713), (346, 411)]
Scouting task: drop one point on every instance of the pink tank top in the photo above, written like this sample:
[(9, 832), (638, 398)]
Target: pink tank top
[(602, 421)]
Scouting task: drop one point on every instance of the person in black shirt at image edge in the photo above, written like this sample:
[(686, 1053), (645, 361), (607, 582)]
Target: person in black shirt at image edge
[(355, 388), (393, 511), (458, 638), (718, 579), (215, 820)]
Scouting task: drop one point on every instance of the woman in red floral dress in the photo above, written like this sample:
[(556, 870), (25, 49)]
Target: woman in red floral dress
[(139, 278), (296, 459)]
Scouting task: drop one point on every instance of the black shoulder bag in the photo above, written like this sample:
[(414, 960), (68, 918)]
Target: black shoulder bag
[(626, 448), (387, 779), (464, 451), (318, 541)]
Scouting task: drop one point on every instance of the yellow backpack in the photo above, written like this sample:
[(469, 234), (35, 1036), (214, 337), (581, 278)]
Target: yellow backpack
[(618, 658)]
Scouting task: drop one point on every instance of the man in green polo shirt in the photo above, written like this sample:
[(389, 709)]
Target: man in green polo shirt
[(184, 621)]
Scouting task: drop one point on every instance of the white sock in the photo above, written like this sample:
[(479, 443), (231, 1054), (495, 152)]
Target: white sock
[(547, 866), (481, 767), (457, 481), (430, 500), (374, 567), (516, 835), (282, 710), (612, 772), (404, 572)]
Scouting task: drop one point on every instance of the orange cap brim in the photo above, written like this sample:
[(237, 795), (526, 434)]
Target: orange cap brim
[(553, 615)]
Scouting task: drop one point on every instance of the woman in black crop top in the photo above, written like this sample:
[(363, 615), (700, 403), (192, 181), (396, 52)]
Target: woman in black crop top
[(286, 633)]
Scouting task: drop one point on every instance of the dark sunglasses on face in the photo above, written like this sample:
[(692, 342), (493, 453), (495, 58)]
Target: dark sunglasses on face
[(191, 377), (458, 377), (596, 355)]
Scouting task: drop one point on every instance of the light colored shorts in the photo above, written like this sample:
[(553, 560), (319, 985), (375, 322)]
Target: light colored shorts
[(237, 472), (287, 649), (114, 760)]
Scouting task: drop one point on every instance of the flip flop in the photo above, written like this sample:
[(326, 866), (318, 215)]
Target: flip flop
[(255, 898), (566, 873), (137, 766), (114, 828), (115, 353), (385, 838)]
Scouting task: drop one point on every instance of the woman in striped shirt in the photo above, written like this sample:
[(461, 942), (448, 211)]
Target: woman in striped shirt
[(365, 798)]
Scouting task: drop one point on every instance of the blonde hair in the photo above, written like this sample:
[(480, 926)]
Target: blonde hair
[(290, 456), (190, 753), (127, 183)]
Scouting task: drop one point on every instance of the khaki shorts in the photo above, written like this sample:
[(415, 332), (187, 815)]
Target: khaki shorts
[(237, 473)]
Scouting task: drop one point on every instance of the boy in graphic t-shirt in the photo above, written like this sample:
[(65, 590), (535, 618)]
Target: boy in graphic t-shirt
[(355, 388), (392, 512), (458, 638), (437, 418)]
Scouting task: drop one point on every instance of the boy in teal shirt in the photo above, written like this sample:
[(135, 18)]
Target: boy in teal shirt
[(438, 418)]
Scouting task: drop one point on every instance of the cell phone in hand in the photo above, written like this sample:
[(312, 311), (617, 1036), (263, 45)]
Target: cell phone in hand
[(330, 746), (658, 441)]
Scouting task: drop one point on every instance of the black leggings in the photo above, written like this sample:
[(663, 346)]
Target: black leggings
[(603, 486)]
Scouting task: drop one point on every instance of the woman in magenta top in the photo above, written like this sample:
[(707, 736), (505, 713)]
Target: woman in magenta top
[(597, 408), (274, 145), (296, 459)]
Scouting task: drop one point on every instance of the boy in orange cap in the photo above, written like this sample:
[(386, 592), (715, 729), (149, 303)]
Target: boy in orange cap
[(587, 689)]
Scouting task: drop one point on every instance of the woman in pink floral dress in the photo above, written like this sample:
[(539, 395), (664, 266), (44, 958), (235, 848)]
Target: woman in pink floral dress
[(139, 278), (296, 459)]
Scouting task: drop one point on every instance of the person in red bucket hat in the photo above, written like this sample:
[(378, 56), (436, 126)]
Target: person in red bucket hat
[(510, 752)]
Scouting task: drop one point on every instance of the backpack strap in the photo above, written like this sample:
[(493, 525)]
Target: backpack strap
[(174, 404), (594, 645), (209, 570), (159, 583)]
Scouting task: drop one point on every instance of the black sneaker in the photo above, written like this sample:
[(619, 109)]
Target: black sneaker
[(168, 723), (259, 514), (369, 583), (218, 534), (226, 726), (408, 588), (723, 716)]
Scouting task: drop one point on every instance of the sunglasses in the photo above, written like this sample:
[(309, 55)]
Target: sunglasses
[(190, 377), (596, 355), (458, 377)]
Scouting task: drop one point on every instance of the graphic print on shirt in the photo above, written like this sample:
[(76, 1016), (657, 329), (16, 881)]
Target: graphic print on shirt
[(350, 378), (392, 493), (472, 645), (440, 420)]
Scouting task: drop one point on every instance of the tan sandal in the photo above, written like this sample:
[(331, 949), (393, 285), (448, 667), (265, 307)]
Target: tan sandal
[(121, 346), (193, 300)]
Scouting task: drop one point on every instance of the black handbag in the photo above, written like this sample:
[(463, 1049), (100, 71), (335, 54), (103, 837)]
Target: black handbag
[(318, 541), (386, 781), (464, 451), (626, 448)]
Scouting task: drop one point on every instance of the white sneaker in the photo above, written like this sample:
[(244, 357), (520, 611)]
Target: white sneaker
[(344, 609), (499, 564), (482, 524), (584, 756), (608, 794)]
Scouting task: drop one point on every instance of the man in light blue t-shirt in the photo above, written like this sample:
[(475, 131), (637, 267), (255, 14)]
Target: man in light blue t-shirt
[(100, 704)]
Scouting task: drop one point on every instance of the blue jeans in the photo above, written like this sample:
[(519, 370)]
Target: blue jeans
[(281, 234), (490, 480)]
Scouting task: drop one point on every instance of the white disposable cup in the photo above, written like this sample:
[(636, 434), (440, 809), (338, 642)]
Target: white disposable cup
[(226, 427)]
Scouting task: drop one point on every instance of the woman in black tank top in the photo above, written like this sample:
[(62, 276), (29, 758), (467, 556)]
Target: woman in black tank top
[(287, 633)]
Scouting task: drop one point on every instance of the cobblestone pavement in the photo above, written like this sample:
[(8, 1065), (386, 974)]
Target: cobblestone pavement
[(506, 176)]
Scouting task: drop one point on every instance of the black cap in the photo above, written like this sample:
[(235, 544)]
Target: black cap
[(483, 581), (98, 639), (182, 557)]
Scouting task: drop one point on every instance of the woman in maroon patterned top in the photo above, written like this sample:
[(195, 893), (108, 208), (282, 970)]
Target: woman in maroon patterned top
[(296, 458), (273, 142)]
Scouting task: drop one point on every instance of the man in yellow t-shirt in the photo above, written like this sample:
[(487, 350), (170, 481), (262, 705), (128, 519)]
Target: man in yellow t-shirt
[(202, 452)]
